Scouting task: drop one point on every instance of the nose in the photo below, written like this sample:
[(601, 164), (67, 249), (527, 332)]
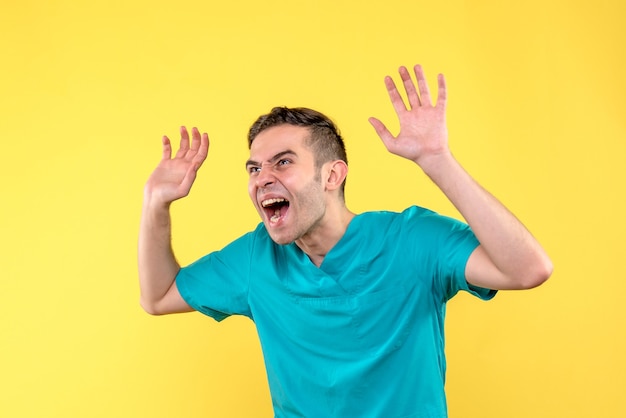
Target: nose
[(265, 177)]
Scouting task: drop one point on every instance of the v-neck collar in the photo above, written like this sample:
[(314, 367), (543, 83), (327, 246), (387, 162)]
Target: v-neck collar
[(338, 251)]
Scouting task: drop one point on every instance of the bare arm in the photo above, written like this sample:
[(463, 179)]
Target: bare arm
[(508, 256), (171, 180)]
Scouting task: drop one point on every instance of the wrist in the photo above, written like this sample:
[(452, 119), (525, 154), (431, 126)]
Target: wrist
[(155, 209), (154, 198), (435, 163)]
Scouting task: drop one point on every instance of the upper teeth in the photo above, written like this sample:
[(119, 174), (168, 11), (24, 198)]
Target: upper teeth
[(269, 202)]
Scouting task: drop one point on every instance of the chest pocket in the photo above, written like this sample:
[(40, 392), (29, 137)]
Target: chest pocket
[(373, 324)]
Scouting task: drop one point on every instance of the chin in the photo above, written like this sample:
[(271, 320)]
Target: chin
[(280, 239)]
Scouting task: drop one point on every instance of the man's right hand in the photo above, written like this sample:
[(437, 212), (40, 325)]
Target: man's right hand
[(173, 177), (171, 180)]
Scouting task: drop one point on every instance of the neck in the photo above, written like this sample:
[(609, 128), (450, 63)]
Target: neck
[(321, 239)]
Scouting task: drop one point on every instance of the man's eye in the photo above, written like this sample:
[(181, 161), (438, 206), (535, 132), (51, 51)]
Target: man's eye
[(253, 170), (284, 162)]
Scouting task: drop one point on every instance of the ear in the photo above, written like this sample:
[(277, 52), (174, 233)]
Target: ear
[(335, 173)]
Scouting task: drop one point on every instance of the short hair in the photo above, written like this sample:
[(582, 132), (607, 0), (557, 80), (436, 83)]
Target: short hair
[(325, 139)]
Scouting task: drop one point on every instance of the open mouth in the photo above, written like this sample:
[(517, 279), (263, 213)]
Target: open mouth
[(275, 208)]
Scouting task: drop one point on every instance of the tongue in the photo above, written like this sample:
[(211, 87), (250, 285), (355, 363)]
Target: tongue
[(276, 216)]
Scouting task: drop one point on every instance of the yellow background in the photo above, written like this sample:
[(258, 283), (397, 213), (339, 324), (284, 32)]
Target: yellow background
[(536, 114)]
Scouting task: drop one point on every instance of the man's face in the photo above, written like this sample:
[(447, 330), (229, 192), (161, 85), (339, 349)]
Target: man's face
[(284, 185)]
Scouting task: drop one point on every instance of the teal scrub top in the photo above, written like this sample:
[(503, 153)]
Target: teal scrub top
[(360, 336)]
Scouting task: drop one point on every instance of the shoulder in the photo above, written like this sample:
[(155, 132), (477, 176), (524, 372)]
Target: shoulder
[(412, 215), (257, 247), (410, 212), (257, 236), (415, 224)]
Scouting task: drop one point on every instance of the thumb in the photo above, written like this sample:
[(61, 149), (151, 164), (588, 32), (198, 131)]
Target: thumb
[(382, 131), (188, 180)]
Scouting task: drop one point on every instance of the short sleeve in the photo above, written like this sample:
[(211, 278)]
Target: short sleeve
[(217, 284), (457, 247), (451, 242)]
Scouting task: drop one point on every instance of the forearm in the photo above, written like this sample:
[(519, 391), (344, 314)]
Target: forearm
[(511, 248), (508, 256), (156, 261)]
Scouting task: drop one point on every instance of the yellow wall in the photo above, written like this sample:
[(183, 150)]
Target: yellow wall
[(536, 113)]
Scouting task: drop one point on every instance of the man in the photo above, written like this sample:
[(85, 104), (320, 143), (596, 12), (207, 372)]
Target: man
[(349, 308)]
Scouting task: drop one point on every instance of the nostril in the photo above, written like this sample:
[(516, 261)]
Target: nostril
[(264, 183), (264, 180)]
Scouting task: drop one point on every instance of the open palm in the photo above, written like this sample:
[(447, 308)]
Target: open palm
[(423, 130), (173, 177)]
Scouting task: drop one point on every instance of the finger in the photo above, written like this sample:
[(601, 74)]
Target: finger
[(167, 148), (184, 142), (411, 93), (187, 181), (203, 151), (382, 131), (442, 94), (422, 85), (394, 95), (195, 142)]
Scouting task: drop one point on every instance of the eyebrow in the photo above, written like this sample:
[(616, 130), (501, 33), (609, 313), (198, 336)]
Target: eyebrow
[(273, 159)]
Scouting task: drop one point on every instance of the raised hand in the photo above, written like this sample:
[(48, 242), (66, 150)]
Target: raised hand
[(173, 177), (423, 132)]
